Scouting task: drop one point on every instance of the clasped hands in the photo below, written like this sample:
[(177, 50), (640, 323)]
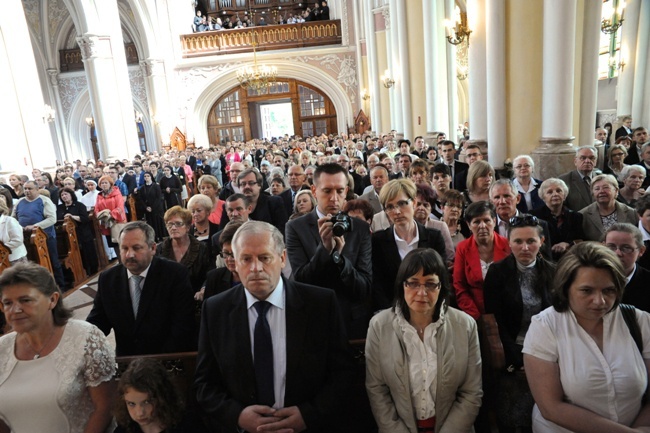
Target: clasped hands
[(260, 418)]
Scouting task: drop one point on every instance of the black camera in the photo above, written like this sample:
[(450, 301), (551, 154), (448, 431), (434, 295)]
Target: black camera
[(342, 223)]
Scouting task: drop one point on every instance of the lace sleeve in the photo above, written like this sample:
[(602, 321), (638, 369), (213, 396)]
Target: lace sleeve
[(99, 358)]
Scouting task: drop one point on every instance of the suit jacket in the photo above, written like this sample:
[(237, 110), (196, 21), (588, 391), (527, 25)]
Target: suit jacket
[(458, 384), (622, 132), (191, 161), (165, 322), (592, 225), (468, 278), (386, 261), (130, 182), (371, 197), (503, 299), (319, 365), (217, 281), (535, 199), (459, 175), (287, 200), (579, 196), (269, 209), (637, 290), (312, 264)]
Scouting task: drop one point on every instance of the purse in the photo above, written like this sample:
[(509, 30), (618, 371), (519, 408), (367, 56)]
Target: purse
[(629, 315)]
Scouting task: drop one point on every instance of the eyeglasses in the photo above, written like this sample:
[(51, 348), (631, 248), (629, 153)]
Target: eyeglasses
[(524, 221), (625, 249), (520, 166), (226, 255), (472, 155), (176, 224), (416, 285), (249, 183), (402, 204), (584, 158)]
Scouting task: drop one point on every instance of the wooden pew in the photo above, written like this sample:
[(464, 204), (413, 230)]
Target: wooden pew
[(133, 213), (37, 251), (69, 251), (4, 258), (102, 259)]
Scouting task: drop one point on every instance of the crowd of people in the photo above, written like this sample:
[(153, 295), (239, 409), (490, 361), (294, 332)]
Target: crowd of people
[(295, 246)]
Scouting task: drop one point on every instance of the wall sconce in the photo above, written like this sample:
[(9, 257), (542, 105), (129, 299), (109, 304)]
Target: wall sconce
[(90, 121), (138, 116), (365, 95), (458, 30), (386, 80), (48, 114), (613, 13), (612, 63)]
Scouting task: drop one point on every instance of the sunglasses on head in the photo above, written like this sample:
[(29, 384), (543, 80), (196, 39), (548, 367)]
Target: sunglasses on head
[(524, 221)]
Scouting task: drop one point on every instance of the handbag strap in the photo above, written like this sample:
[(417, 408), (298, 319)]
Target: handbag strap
[(629, 315)]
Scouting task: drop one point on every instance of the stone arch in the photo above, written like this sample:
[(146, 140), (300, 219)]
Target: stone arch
[(225, 79)]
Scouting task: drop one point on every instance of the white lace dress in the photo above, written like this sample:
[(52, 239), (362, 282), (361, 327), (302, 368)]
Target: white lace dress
[(50, 394)]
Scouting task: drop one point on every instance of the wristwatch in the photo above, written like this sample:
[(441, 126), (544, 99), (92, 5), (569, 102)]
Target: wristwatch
[(336, 257)]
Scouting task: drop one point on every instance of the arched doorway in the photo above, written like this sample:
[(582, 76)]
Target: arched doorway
[(239, 115)]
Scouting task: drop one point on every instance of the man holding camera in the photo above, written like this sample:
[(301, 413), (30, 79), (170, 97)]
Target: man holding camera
[(341, 263)]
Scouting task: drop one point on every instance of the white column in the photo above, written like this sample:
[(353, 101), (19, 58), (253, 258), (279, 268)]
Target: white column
[(53, 75), (642, 69), (404, 83), (477, 71), (452, 81), (558, 68), (359, 38), (589, 72), (495, 25), (155, 80), (373, 73), (436, 66), (28, 141), (392, 55), (629, 35)]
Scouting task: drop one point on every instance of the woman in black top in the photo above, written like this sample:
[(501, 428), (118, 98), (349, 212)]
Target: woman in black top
[(171, 187), (150, 199), (76, 211)]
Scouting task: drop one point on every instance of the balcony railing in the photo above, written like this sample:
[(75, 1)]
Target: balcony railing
[(71, 59), (281, 37)]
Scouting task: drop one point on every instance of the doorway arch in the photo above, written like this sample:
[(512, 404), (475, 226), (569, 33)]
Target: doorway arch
[(236, 114)]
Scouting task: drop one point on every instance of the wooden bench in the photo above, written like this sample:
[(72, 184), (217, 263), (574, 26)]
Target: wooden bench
[(68, 249), (102, 259), (4, 257), (37, 251)]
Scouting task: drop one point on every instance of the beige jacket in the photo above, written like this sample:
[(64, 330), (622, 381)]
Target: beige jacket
[(459, 388)]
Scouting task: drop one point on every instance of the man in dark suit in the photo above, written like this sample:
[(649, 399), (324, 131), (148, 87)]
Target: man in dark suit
[(447, 151), (125, 177), (625, 129), (265, 207), (626, 241), (378, 178), (271, 351), (191, 159), (343, 263), (147, 300), (231, 187), (643, 211), (297, 179), (639, 138), (579, 180), (645, 163)]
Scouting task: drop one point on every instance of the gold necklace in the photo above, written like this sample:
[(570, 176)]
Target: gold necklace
[(38, 352)]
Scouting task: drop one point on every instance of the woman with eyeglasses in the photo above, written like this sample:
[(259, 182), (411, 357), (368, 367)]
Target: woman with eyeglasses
[(632, 177), (423, 362), (586, 371), (221, 279), (606, 210), (405, 234), (453, 203), (149, 199), (615, 164), (475, 255), (516, 289), (183, 248), (526, 184)]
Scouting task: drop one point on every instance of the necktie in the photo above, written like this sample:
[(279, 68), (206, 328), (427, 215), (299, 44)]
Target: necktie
[(263, 353), (137, 291), (293, 196), (587, 180)]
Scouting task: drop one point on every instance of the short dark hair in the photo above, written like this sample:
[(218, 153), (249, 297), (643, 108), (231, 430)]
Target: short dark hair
[(149, 233), (447, 143), (477, 209), (70, 191), (40, 278), (441, 168), (361, 205), (329, 168), (642, 205), (149, 376), (585, 255), (239, 196), (228, 232), (427, 193), (258, 175), (429, 262)]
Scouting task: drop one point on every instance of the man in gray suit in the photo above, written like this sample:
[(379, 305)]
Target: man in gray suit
[(378, 178), (579, 180)]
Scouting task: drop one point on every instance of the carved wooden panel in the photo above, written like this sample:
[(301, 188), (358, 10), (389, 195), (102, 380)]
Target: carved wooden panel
[(69, 251), (99, 243), (37, 249), (177, 140), (4, 257), (361, 123)]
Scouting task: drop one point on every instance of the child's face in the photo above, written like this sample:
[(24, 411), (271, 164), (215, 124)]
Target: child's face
[(141, 408)]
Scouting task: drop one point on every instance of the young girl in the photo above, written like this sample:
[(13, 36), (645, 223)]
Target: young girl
[(148, 402)]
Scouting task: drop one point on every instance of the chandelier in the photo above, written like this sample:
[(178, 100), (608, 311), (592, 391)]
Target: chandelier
[(256, 77), (612, 16)]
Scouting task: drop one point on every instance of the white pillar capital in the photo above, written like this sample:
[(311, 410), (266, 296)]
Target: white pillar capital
[(95, 46)]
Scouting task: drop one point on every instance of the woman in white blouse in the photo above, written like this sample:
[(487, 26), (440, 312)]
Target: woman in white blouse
[(584, 368), (423, 362)]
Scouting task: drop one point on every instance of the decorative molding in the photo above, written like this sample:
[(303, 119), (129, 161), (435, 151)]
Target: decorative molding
[(190, 80), (54, 76), (152, 67), (342, 67), (93, 46), (138, 89), (386, 13), (345, 24), (69, 90), (56, 13), (33, 17)]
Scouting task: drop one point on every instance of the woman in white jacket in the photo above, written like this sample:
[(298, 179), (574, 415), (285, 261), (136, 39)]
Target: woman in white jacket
[(11, 234)]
